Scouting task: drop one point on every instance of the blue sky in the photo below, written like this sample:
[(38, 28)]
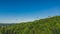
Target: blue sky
[(12, 11)]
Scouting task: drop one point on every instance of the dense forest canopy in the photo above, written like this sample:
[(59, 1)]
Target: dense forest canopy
[(50, 25)]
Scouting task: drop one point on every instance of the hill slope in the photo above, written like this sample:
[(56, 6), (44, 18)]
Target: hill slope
[(43, 26)]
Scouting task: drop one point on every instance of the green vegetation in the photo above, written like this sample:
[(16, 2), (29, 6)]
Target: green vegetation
[(49, 25)]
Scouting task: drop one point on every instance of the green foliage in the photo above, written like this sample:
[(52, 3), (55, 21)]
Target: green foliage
[(43, 26)]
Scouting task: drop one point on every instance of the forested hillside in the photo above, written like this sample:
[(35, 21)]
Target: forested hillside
[(50, 25)]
